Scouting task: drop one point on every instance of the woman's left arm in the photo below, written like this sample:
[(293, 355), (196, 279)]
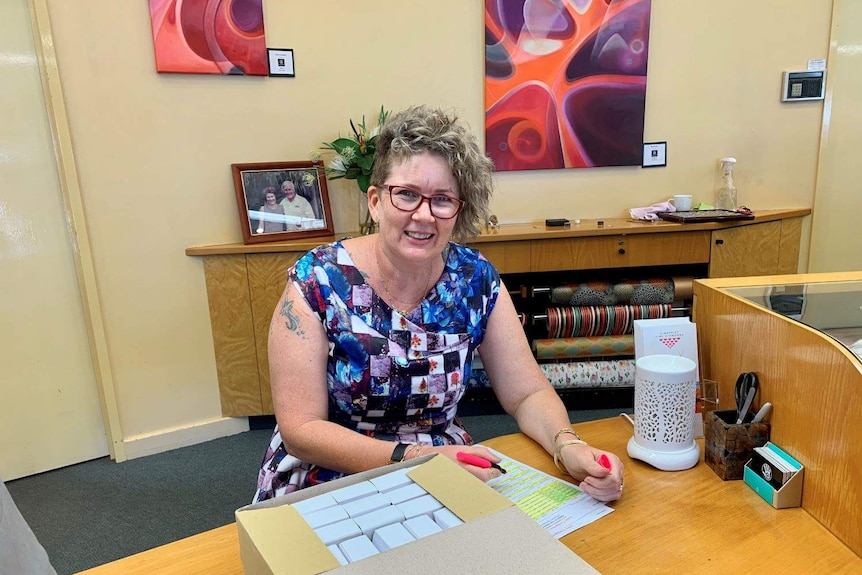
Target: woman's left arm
[(525, 393)]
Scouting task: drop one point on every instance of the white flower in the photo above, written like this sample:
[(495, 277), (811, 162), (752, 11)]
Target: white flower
[(308, 179), (348, 154), (337, 166), (314, 155)]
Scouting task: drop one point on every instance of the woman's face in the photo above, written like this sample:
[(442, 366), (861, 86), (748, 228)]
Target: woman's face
[(270, 198), (415, 236)]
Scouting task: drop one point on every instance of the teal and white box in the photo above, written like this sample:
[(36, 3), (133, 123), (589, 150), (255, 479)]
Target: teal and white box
[(790, 494)]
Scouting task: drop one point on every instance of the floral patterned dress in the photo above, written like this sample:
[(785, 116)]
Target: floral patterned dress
[(389, 376)]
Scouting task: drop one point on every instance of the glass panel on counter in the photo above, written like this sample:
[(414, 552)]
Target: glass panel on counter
[(834, 308)]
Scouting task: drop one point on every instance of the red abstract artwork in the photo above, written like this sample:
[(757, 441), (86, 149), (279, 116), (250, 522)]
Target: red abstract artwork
[(565, 82), (209, 36)]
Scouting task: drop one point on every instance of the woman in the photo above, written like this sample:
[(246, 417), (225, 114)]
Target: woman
[(268, 225), (373, 338)]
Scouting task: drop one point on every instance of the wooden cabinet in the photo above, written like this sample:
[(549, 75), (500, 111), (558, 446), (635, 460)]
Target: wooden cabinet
[(245, 282)]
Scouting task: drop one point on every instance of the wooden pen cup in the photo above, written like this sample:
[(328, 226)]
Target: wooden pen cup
[(729, 445)]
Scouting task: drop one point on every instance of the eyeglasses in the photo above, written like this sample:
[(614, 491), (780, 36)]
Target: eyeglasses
[(407, 200)]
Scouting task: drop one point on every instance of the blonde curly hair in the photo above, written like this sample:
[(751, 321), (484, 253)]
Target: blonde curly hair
[(421, 129)]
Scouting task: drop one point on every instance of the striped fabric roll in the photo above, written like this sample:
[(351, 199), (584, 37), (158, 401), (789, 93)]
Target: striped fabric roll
[(572, 347), (611, 373), (600, 320)]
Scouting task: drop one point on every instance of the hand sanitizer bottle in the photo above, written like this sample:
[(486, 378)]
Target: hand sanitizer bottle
[(725, 193)]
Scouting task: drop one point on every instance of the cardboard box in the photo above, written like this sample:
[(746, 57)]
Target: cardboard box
[(496, 537)]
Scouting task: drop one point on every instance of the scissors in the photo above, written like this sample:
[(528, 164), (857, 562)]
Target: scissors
[(744, 393)]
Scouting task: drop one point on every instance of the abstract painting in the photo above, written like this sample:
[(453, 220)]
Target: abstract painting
[(565, 82), (209, 36)]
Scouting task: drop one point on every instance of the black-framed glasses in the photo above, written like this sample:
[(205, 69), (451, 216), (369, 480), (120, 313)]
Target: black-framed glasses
[(407, 200)]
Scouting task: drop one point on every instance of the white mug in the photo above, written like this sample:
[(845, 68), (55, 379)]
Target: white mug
[(681, 202)]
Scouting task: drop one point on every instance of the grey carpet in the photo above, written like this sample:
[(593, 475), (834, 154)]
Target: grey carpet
[(98, 511)]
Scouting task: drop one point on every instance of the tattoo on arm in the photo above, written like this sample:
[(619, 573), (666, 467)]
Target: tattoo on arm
[(291, 320)]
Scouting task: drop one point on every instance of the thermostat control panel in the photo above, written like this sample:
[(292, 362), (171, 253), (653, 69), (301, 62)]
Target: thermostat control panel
[(800, 86)]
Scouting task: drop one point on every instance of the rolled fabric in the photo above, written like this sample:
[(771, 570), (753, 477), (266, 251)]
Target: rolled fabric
[(611, 373), (571, 347), (649, 291), (592, 321)]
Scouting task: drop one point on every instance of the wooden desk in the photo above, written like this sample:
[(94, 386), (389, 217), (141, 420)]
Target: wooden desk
[(682, 522)]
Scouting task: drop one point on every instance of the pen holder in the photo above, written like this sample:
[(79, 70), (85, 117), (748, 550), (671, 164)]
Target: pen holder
[(728, 445)]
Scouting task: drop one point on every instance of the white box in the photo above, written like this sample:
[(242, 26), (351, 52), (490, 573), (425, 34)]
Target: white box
[(351, 492), (392, 536), (405, 493), (337, 553), (366, 504), (446, 519), (425, 505), (392, 480), (315, 504), (421, 526), (358, 548), (337, 532), (326, 516), (370, 522)]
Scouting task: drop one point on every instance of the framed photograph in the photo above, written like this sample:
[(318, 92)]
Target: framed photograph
[(281, 62), (655, 155), (280, 201)]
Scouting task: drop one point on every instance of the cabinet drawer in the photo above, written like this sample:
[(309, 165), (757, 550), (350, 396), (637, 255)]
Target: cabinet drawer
[(620, 251), (507, 257)]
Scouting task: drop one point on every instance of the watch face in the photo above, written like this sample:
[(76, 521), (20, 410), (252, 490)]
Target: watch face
[(766, 470)]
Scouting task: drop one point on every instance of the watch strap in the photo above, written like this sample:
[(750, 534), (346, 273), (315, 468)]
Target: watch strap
[(398, 453)]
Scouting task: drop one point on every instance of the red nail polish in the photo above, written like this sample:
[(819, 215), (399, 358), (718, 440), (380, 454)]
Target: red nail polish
[(604, 461)]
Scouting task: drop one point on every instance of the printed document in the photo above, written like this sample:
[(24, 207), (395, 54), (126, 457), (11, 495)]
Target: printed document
[(556, 505)]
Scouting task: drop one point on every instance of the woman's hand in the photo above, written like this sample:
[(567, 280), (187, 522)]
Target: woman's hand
[(451, 451), (582, 462)]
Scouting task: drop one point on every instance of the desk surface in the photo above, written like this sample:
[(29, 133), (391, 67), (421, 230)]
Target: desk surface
[(667, 522)]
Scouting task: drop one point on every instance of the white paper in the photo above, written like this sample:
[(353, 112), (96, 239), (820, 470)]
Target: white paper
[(558, 506), (816, 64)]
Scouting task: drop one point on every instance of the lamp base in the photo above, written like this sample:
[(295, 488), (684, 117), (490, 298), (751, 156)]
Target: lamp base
[(665, 460)]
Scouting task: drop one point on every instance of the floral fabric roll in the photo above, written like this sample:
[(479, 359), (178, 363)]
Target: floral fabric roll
[(611, 373)]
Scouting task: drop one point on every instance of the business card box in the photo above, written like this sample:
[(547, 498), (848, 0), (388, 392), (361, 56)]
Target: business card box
[(789, 495), (496, 537)]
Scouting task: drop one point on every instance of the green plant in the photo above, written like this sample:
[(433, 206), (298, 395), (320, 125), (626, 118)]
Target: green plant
[(354, 156)]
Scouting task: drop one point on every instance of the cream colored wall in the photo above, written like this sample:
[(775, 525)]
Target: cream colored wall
[(838, 201), (154, 150)]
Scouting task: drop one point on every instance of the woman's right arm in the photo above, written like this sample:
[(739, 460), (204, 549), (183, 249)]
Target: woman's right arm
[(298, 352)]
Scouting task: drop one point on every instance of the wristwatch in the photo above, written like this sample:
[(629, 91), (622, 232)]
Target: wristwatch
[(398, 453)]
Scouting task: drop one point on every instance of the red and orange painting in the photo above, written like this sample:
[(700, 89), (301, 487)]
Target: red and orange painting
[(565, 82), (209, 36)]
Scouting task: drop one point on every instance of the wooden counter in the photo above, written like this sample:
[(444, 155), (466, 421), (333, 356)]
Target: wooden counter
[(813, 383), (244, 282), (666, 522)]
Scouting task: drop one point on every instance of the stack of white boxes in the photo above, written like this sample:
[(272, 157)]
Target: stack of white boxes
[(423, 511), (363, 519)]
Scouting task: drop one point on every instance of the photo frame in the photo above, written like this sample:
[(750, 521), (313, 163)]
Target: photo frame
[(299, 205)]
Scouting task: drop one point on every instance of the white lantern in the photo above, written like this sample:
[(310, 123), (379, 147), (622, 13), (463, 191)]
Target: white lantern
[(664, 412)]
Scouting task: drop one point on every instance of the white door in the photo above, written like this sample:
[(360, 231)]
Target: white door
[(49, 405)]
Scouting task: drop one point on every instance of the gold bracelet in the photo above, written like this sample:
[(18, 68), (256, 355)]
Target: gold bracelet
[(565, 430), (558, 451), (413, 451)]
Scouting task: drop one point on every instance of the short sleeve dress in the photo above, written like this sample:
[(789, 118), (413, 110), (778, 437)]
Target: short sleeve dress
[(389, 376)]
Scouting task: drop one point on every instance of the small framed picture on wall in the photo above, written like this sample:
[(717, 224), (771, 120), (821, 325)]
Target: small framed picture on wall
[(280, 201)]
